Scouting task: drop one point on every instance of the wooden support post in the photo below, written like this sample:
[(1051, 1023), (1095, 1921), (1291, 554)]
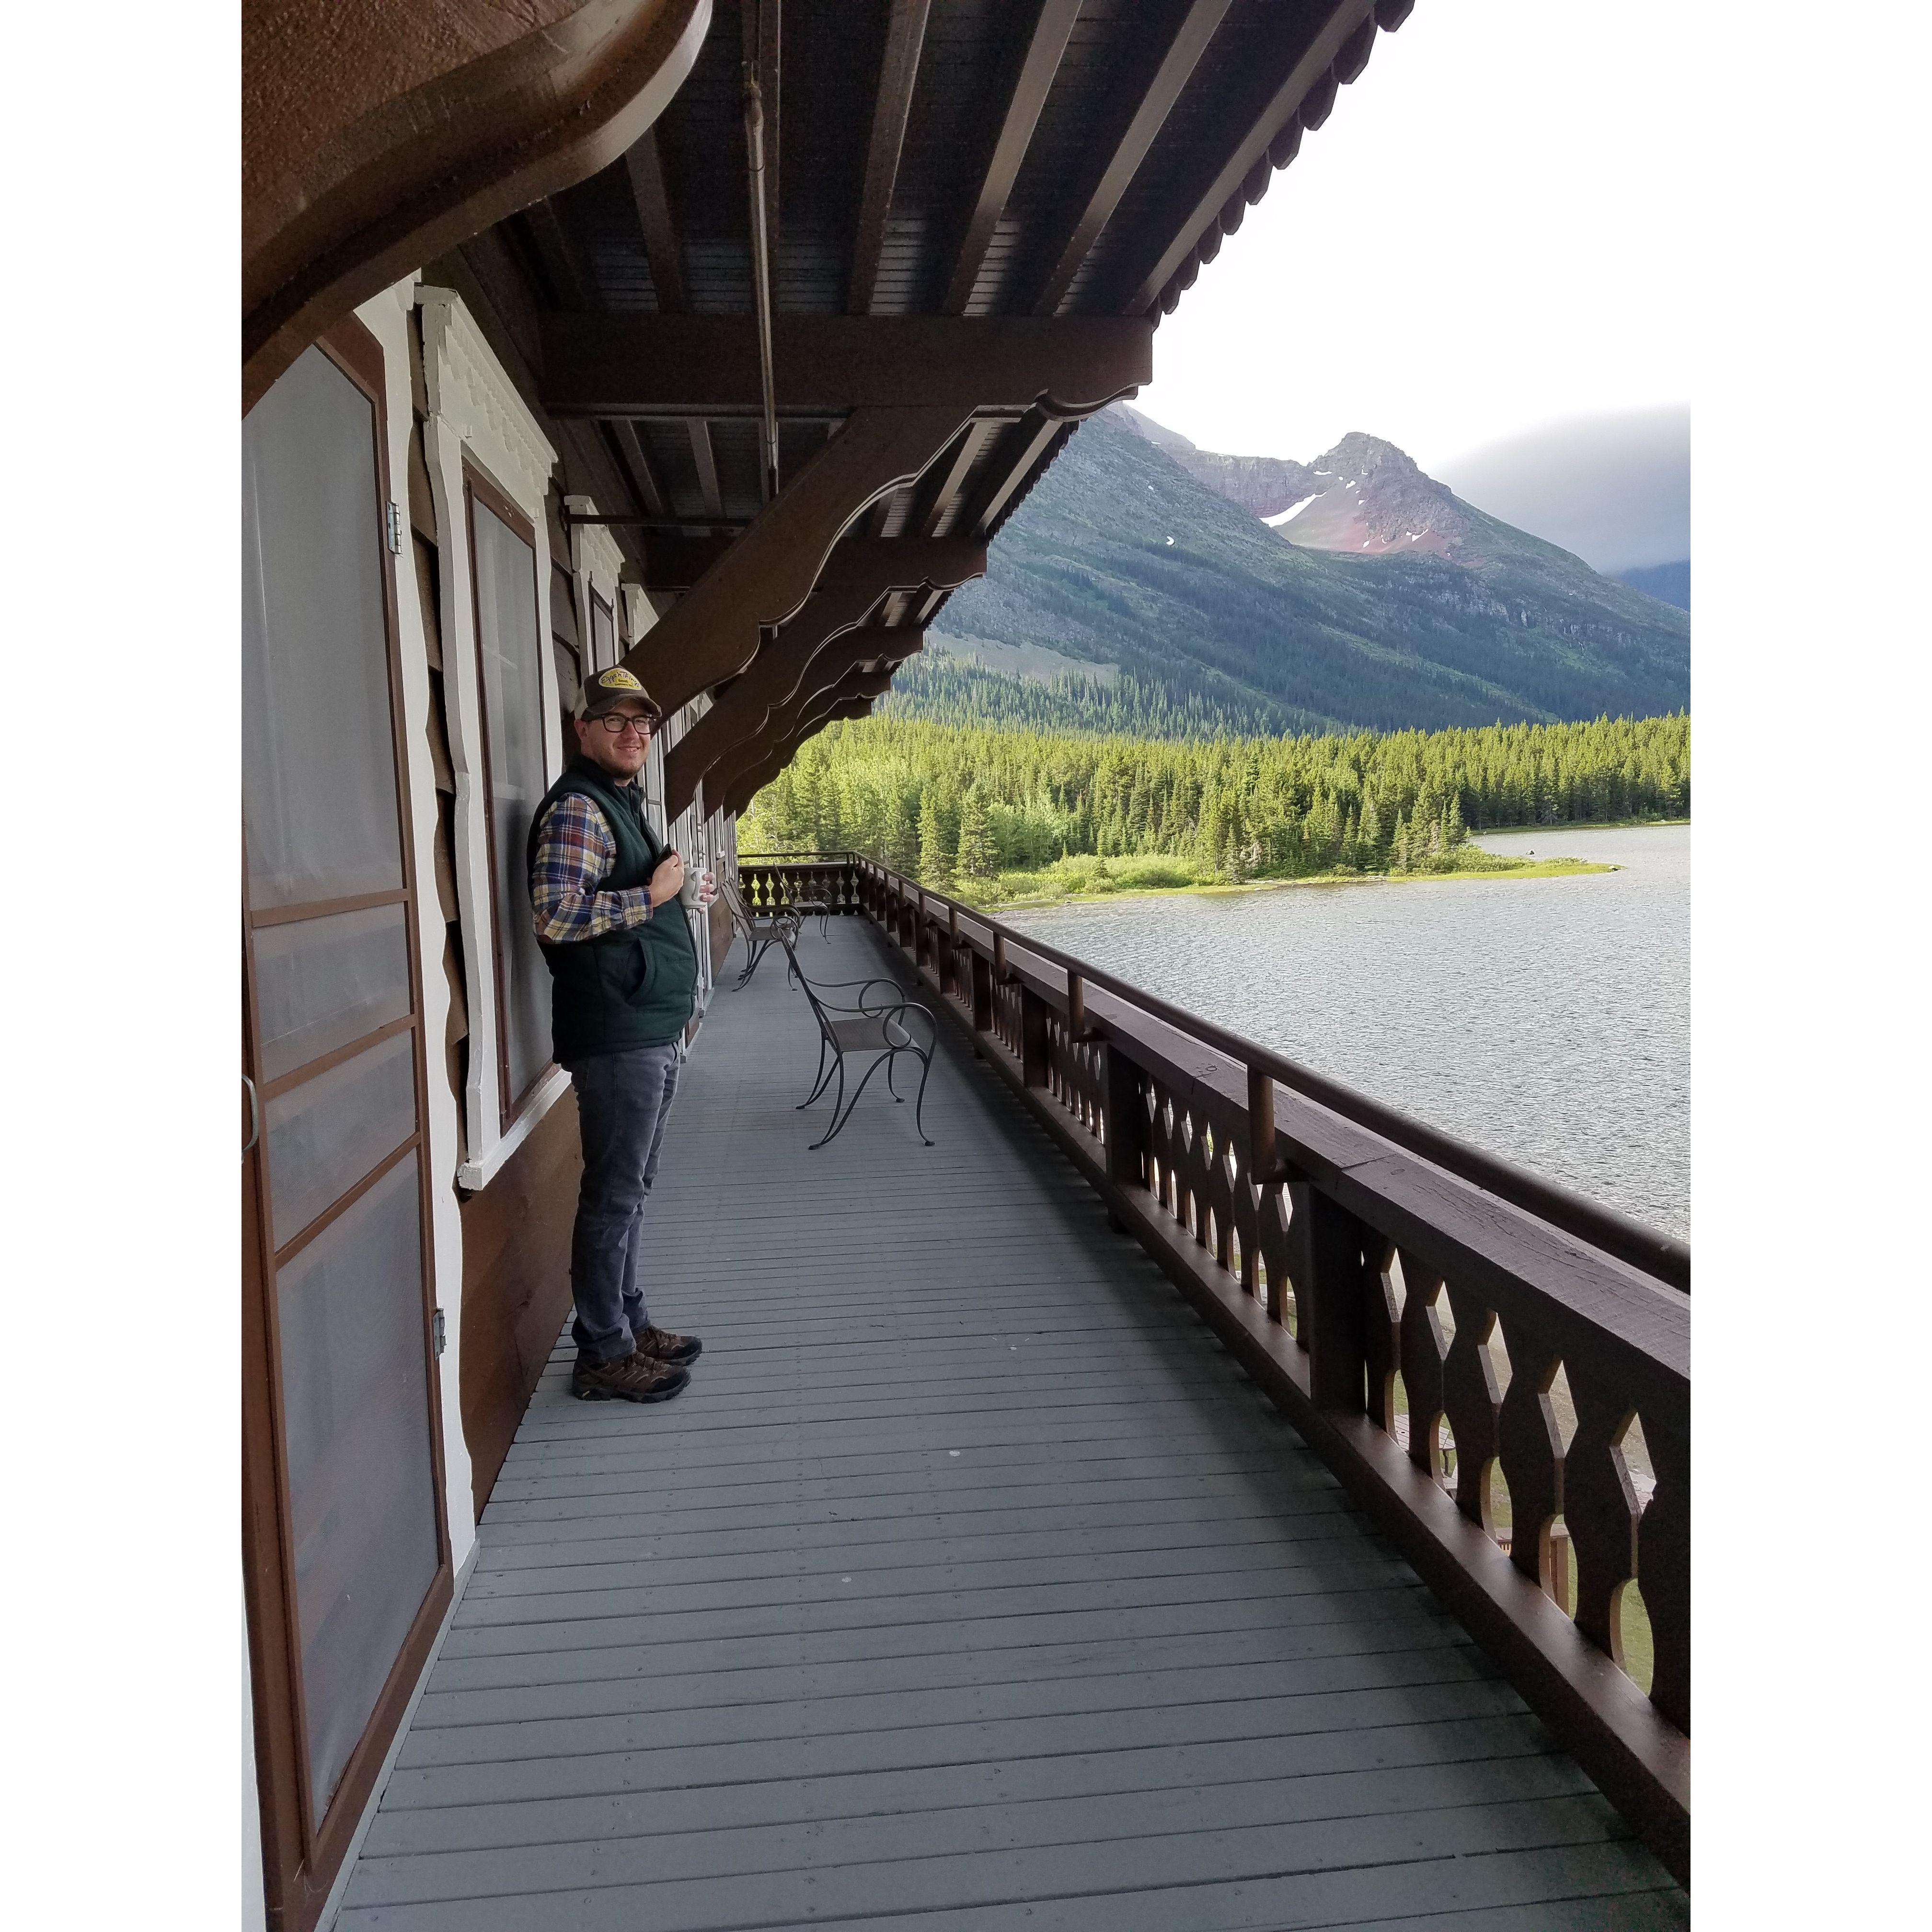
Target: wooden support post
[(1001, 971), (1331, 1284), (1126, 1120), (1032, 1037), (1076, 1006), (982, 991), (949, 978)]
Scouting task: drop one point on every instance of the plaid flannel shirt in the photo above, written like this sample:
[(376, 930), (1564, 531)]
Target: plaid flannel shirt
[(575, 851)]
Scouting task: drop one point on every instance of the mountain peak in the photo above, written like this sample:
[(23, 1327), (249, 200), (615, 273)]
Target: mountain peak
[(1361, 455)]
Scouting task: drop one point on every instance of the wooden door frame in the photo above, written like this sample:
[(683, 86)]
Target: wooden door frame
[(301, 1858)]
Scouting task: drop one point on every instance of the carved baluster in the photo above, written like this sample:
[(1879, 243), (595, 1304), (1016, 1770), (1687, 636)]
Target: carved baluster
[(1381, 1329), (1422, 1350), (1470, 1400), (1600, 1507), (1530, 1447), (1273, 1245), (1664, 1568), (1193, 1162)]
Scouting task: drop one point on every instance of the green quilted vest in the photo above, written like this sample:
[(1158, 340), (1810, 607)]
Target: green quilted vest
[(625, 989)]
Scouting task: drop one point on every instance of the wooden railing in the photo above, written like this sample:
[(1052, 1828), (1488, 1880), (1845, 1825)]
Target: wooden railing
[(775, 879), (1499, 1369)]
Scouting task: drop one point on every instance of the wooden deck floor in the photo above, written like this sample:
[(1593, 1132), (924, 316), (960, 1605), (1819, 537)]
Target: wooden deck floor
[(970, 1587)]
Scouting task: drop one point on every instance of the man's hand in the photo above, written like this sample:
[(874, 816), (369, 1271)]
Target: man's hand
[(667, 881)]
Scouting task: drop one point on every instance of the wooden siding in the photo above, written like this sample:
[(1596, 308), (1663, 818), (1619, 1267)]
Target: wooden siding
[(971, 1586), (516, 1286)]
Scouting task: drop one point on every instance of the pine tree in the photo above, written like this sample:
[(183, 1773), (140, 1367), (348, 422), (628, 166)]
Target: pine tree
[(902, 852), (978, 859), (935, 866)]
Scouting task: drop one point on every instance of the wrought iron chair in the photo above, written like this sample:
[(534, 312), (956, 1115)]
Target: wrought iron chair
[(885, 1026), (760, 931)]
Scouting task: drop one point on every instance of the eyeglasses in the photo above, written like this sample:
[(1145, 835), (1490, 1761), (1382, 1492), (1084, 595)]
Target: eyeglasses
[(617, 723)]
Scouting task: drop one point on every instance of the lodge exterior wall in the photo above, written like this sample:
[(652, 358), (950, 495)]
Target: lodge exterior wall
[(503, 1217)]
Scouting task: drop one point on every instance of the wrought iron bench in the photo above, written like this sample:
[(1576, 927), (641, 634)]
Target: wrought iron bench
[(885, 1026)]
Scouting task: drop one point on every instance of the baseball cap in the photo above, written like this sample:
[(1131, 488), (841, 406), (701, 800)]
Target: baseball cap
[(610, 688)]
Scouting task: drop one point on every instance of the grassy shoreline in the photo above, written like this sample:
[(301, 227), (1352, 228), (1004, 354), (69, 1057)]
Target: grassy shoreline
[(1067, 890), (1579, 825)]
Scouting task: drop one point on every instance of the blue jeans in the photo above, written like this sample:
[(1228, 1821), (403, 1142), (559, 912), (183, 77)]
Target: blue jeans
[(623, 1100)]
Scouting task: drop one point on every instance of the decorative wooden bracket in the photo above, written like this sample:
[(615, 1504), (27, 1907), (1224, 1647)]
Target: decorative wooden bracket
[(851, 697), (861, 651), (764, 580), (857, 578)]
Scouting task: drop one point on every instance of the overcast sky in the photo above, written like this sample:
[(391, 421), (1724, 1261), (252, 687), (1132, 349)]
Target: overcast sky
[(1488, 236)]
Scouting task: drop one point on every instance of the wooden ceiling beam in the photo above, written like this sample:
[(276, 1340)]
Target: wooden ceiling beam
[(1025, 444), (938, 511), (688, 366), (898, 71), (1198, 27), (565, 264), (1307, 68), (857, 579), (706, 458), (1052, 26), (645, 167), (651, 494), (714, 632)]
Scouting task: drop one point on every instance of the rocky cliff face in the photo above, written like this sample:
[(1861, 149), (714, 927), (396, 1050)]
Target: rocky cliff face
[(1364, 495)]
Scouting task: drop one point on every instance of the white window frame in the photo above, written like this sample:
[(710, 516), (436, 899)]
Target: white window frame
[(476, 415)]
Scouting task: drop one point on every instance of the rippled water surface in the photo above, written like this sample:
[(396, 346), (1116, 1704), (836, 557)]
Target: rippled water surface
[(1547, 1019)]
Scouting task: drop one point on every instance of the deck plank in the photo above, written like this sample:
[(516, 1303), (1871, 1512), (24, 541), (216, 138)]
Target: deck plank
[(970, 1586)]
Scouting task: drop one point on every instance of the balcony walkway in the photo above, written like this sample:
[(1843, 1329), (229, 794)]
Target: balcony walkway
[(970, 1587)]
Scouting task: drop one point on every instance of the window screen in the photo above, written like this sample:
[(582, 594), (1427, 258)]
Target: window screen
[(508, 641)]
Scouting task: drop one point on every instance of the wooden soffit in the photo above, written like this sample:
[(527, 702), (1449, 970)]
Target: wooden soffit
[(377, 134), (683, 365)]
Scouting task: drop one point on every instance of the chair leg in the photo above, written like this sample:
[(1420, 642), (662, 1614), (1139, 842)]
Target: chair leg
[(822, 1078), (837, 1100), (839, 1120), (919, 1111)]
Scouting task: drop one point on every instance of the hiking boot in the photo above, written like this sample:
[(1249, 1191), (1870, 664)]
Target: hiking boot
[(660, 1345), (634, 1378)]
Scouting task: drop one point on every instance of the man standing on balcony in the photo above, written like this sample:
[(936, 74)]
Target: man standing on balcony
[(623, 981)]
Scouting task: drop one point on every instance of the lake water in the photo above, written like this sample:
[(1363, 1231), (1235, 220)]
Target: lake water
[(1548, 1020)]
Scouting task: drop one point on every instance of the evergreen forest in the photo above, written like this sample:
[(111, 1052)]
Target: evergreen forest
[(973, 807)]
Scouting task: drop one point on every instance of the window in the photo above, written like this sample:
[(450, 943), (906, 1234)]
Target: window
[(503, 561)]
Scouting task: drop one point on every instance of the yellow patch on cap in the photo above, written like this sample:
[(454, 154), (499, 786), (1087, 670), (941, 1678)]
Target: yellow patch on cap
[(619, 680)]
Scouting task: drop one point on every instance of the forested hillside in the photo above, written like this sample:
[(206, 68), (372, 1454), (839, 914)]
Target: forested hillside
[(1120, 557), (972, 803)]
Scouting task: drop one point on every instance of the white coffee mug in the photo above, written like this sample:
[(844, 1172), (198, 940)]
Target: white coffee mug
[(699, 889)]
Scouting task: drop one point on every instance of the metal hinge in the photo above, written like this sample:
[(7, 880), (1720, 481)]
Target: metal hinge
[(440, 1333), (394, 523)]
